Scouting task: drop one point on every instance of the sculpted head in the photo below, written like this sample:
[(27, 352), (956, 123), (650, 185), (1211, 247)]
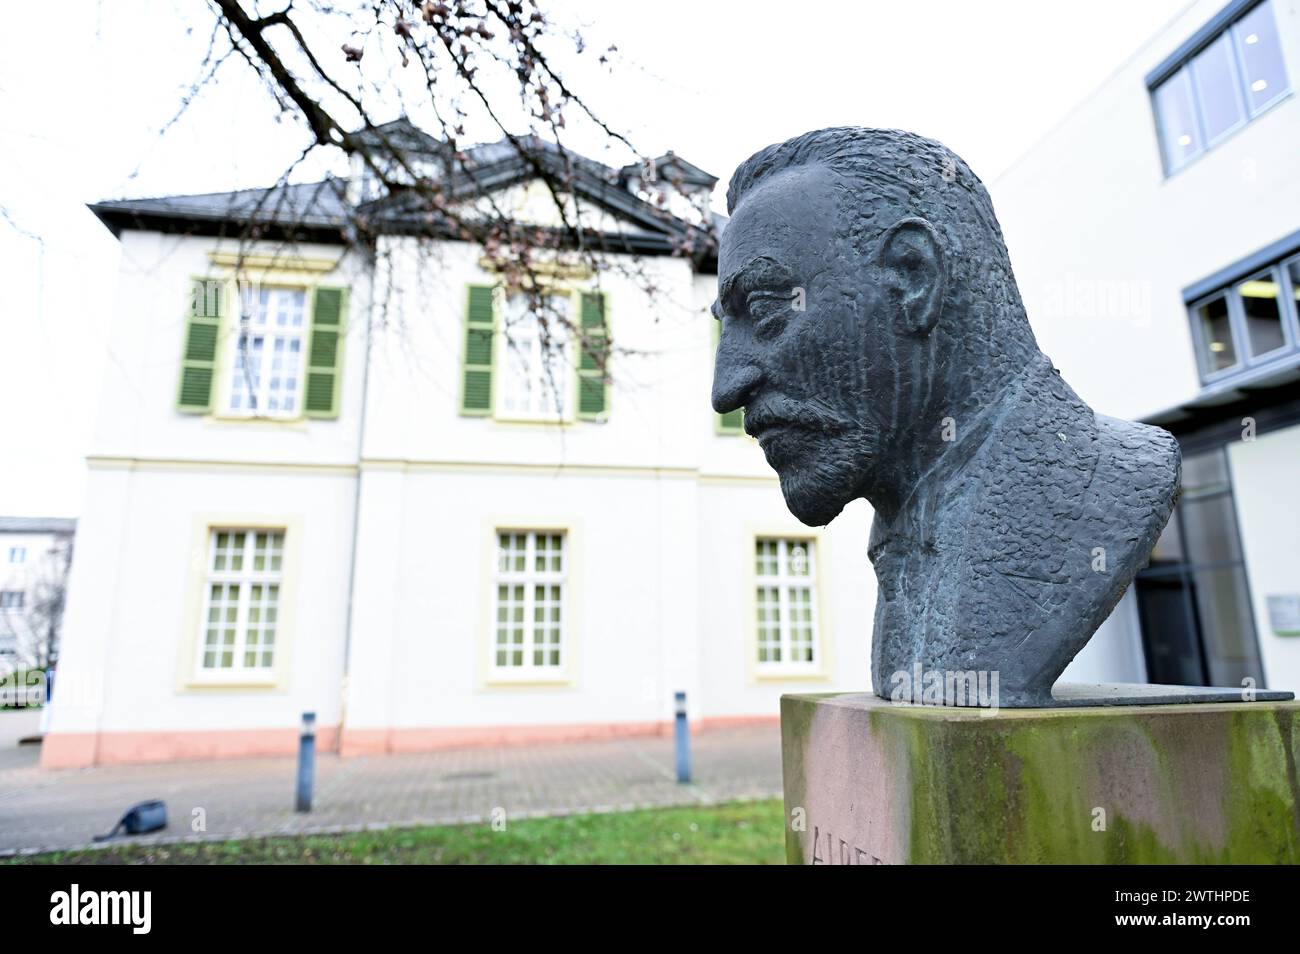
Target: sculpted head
[(864, 293)]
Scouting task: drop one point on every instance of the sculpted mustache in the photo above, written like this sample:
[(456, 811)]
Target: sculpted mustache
[(807, 415)]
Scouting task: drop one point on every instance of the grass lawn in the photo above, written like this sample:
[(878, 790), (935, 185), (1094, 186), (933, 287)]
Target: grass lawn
[(740, 833)]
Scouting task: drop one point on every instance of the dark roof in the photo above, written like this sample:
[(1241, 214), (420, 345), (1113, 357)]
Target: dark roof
[(38, 525), (400, 134), (320, 211), (671, 167), (1270, 396), (313, 207), (498, 165)]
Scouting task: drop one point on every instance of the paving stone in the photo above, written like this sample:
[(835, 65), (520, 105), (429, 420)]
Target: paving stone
[(66, 808)]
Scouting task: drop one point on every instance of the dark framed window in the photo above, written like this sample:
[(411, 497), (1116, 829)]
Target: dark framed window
[(1198, 627), (1247, 322), (1232, 70)]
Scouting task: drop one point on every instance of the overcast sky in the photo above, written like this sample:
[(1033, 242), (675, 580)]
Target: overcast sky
[(85, 88)]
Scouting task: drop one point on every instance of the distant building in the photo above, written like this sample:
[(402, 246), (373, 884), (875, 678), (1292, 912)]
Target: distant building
[(402, 538), (34, 557), (1156, 236)]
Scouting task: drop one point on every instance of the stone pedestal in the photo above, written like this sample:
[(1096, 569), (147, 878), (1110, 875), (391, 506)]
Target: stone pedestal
[(869, 782)]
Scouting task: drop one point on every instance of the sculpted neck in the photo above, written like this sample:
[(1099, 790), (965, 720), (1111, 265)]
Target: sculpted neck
[(955, 385)]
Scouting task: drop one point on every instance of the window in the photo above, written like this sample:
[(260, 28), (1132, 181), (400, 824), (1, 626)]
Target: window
[(12, 600), (1249, 321), (267, 351), (1193, 601), (242, 601), (787, 606), (536, 357), (1261, 57), (1220, 80), (1261, 310), (281, 356), (529, 618), (17, 554), (535, 382)]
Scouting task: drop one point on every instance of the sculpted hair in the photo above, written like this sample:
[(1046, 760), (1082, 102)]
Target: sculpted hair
[(887, 174)]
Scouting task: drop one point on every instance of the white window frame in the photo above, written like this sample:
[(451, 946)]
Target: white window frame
[(784, 581), (245, 578), (19, 607), (17, 555), (529, 578), (269, 332), (521, 340)]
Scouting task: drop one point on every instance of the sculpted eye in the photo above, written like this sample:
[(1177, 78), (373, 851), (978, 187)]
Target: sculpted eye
[(769, 310)]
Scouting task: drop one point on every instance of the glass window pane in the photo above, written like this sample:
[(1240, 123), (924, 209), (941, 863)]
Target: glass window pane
[(1262, 305), (1179, 133), (1227, 626), (1261, 57), (1205, 473), (1216, 336), (1218, 87), (533, 638), (533, 378), (1169, 548), (1210, 526), (798, 558), (242, 638)]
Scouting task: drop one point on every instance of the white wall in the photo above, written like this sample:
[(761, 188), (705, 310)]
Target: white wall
[(132, 618), (1264, 487), (1114, 654), (661, 511), (137, 415), (156, 473), (658, 403)]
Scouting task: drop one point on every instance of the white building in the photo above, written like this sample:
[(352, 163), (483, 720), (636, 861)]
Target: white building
[(402, 538), (34, 556), (1156, 236)]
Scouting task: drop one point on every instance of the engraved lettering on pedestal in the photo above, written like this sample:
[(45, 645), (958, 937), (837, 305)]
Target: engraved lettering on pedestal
[(848, 854)]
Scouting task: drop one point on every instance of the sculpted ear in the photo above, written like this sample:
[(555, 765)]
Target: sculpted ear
[(911, 257)]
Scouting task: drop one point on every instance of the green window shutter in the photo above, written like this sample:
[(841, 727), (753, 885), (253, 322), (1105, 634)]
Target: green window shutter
[(593, 386), (325, 353), (480, 329), (199, 359), (733, 422)]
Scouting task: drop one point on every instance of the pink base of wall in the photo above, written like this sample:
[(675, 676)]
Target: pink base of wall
[(83, 749)]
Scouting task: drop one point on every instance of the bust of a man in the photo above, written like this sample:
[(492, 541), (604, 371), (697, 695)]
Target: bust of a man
[(874, 335)]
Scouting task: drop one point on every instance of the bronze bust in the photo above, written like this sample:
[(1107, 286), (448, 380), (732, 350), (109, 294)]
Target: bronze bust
[(873, 333)]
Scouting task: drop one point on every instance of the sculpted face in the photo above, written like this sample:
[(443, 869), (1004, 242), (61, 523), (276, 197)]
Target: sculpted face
[(809, 341)]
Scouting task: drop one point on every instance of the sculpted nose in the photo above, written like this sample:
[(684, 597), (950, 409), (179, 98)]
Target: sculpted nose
[(734, 376)]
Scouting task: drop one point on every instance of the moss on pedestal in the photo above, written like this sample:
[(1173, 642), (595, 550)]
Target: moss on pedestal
[(1208, 783)]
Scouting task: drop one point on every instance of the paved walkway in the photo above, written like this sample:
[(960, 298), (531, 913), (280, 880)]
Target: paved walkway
[(65, 809)]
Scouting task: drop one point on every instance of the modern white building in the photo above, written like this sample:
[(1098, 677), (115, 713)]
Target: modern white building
[(1156, 236), (34, 557), (372, 501)]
